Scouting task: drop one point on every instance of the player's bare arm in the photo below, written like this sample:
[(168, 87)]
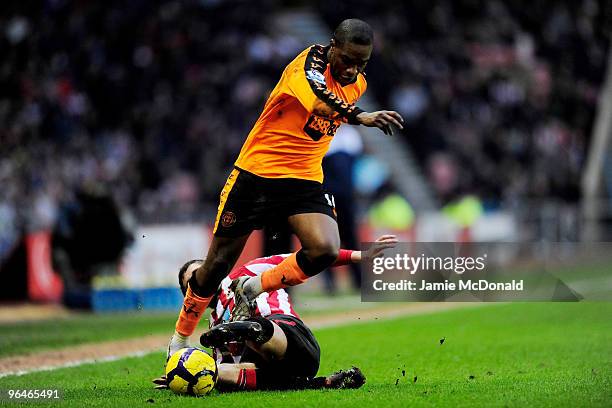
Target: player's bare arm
[(376, 249), (382, 120)]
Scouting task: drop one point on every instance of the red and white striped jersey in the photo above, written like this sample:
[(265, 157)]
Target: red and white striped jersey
[(275, 302)]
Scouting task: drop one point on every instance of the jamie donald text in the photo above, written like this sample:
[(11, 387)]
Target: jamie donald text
[(471, 285)]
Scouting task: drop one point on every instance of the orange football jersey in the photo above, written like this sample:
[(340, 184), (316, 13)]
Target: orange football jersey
[(288, 140)]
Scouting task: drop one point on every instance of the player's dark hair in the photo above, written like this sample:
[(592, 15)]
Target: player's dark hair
[(182, 273), (354, 31)]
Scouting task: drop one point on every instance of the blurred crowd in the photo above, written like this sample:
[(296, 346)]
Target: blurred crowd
[(148, 102), (499, 96)]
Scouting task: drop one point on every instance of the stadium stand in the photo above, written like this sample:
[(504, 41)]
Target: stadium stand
[(150, 101)]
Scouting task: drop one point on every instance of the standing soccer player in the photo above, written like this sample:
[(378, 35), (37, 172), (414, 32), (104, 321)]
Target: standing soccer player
[(278, 173)]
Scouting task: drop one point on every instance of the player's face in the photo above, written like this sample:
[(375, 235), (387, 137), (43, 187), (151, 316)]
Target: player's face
[(347, 60)]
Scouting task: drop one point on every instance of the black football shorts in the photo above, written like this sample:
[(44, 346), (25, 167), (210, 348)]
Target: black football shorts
[(303, 352), (301, 360), (249, 202)]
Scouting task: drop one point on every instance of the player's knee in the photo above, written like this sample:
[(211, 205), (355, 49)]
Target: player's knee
[(327, 258), (329, 254), (324, 253)]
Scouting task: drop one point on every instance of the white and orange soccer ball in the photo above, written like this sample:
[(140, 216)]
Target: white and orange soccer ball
[(191, 371)]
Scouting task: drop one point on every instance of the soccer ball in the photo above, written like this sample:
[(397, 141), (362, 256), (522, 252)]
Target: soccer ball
[(191, 371)]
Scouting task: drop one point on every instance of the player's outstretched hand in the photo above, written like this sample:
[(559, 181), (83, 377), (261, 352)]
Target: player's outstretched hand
[(383, 242), (161, 383), (382, 120)]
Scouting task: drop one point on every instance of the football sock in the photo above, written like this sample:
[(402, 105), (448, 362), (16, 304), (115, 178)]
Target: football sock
[(287, 273), (247, 379), (294, 270), (191, 312), (311, 268), (179, 341)]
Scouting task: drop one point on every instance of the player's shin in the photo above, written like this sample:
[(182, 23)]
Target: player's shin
[(287, 273), (189, 317), (293, 271), (246, 289)]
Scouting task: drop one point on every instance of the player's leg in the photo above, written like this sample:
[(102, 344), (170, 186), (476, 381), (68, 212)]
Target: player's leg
[(293, 357), (300, 358), (261, 335), (236, 376), (245, 376), (222, 255), (342, 379), (273, 349), (311, 214), (237, 216), (248, 377), (318, 234)]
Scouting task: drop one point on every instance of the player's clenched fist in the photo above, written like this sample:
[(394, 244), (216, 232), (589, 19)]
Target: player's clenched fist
[(382, 120)]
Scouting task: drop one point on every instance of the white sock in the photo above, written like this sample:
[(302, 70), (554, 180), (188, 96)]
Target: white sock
[(177, 342), (252, 287), (179, 338)]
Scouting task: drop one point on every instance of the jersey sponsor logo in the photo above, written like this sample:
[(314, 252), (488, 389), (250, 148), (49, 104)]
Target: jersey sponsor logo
[(316, 127), (315, 76), (228, 218)]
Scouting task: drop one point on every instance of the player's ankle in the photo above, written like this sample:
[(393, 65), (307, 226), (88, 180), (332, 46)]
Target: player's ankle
[(178, 339), (177, 342), (196, 288)]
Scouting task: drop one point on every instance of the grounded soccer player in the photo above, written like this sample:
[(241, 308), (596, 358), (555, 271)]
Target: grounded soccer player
[(278, 173), (273, 349)]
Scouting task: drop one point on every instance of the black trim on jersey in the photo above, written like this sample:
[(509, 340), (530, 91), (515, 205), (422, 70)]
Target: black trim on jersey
[(317, 60)]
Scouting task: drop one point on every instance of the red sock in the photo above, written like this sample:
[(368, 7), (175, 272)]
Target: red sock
[(247, 379)]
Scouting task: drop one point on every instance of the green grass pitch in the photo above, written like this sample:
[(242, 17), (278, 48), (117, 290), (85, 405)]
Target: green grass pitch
[(529, 354), (19, 338)]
